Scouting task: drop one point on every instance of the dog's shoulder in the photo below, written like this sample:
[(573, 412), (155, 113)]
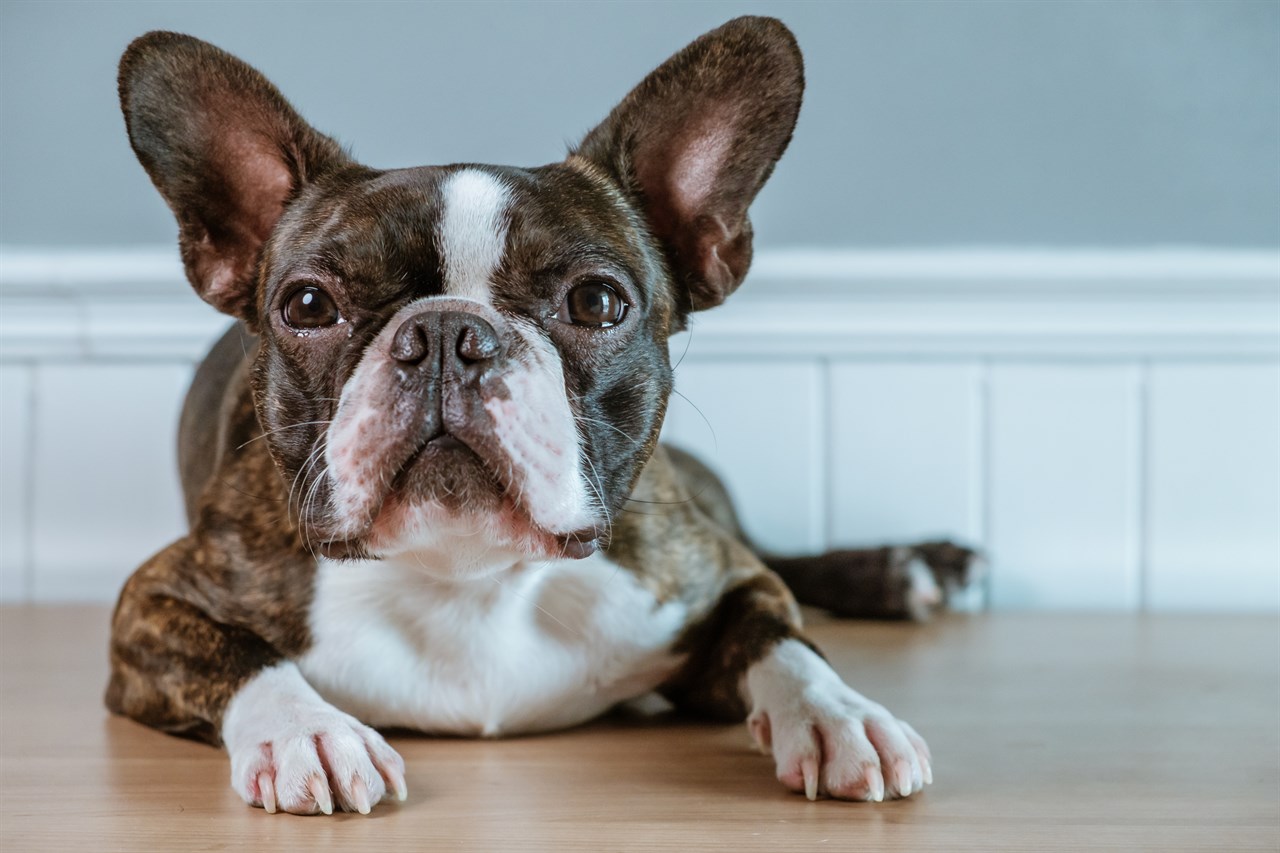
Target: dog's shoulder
[(668, 537)]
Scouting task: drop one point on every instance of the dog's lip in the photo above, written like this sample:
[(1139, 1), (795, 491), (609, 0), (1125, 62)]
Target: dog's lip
[(342, 549), (579, 544), (443, 442), (576, 545)]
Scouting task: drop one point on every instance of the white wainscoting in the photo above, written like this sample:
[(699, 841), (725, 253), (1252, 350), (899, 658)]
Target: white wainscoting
[(1105, 424)]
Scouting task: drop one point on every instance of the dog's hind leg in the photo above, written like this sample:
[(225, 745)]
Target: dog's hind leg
[(889, 582)]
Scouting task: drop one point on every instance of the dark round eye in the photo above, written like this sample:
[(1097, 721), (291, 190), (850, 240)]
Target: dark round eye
[(310, 307), (593, 304)]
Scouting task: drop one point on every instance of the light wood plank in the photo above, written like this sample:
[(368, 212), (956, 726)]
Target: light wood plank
[(1049, 732)]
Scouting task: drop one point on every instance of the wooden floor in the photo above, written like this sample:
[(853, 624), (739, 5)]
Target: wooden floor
[(1075, 733)]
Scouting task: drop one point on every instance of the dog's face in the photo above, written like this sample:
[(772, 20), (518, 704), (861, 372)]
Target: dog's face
[(470, 344), (464, 356)]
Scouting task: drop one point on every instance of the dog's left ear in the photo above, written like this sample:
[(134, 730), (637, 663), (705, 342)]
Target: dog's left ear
[(695, 142)]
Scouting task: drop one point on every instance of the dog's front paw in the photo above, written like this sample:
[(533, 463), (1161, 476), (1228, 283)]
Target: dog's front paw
[(828, 740), (292, 751)]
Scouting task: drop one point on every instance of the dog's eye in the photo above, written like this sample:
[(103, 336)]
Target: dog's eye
[(310, 307), (593, 304)]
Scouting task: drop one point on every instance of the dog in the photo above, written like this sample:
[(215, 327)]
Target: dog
[(407, 466)]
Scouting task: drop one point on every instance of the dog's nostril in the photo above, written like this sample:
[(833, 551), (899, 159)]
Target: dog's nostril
[(477, 344), (409, 346)]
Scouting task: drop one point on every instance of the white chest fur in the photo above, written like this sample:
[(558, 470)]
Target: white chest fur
[(543, 647)]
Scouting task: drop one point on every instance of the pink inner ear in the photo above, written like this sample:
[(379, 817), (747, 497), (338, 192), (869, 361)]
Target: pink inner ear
[(698, 156), (684, 177), (255, 183), (695, 169), (258, 180)]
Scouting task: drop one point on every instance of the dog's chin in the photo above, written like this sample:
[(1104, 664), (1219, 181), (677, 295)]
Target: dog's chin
[(448, 512)]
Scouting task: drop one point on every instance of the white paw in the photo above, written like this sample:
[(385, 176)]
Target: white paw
[(826, 739), (291, 751)]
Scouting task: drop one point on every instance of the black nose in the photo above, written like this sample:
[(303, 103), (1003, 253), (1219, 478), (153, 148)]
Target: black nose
[(453, 340)]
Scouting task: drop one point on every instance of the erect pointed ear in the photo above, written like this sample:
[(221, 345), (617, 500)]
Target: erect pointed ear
[(695, 142), (225, 150)]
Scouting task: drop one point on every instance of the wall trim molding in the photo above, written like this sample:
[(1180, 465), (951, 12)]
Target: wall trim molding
[(133, 304)]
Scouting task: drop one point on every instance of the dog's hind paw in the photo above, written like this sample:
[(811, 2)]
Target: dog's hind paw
[(954, 568), (891, 582)]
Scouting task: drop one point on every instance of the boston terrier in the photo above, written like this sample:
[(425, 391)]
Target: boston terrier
[(422, 470)]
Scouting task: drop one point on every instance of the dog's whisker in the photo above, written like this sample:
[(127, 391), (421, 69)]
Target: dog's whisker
[(320, 444), (598, 488), (715, 440), (306, 507), (281, 429), (590, 420)]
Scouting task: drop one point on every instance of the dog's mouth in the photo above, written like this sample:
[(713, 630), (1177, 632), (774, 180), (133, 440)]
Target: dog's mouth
[(460, 476), (442, 449)]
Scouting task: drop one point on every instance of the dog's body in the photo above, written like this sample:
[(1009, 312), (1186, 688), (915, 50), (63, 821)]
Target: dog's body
[(422, 473)]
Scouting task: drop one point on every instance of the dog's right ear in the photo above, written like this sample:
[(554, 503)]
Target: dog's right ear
[(225, 150)]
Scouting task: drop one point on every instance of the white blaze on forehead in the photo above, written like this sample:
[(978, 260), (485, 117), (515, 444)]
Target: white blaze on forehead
[(472, 233)]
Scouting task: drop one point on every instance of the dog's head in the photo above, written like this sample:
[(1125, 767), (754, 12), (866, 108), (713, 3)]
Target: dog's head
[(464, 353)]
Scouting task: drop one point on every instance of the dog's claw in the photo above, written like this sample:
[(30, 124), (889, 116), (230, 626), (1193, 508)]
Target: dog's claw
[(902, 778), (267, 790), (394, 776), (360, 796), (875, 785), (809, 768), (320, 792)]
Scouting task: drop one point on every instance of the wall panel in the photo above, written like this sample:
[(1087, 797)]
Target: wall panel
[(1214, 487), (15, 510), (106, 492), (1064, 511), (906, 450), (758, 424)]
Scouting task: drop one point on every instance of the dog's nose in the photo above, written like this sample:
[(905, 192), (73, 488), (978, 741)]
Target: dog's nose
[(455, 340)]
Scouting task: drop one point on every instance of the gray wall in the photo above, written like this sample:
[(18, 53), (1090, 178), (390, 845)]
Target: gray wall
[(926, 123)]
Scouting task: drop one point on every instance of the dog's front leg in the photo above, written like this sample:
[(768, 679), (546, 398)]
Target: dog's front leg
[(750, 659), (183, 664)]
